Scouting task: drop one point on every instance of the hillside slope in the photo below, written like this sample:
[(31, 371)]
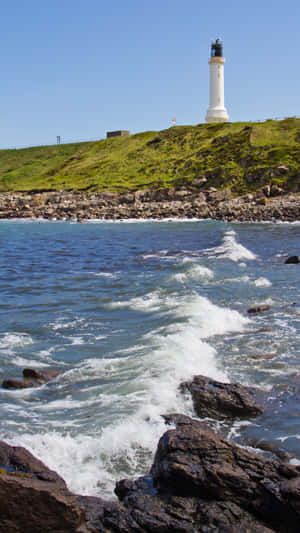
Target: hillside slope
[(242, 156)]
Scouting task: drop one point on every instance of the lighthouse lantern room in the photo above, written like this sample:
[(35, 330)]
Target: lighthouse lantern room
[(216, 111)]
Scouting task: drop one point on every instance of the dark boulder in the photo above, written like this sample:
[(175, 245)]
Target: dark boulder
[(31, 378), (193, 462), (14, 384), (148, 510), (259, 308), (43, 375), (294, 259), (215, 399), (34, 499)]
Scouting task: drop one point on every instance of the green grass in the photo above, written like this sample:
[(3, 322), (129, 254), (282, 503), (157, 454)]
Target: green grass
[(227, 154)]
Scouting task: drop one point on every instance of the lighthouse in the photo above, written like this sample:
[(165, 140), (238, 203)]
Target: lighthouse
[(217, 110)]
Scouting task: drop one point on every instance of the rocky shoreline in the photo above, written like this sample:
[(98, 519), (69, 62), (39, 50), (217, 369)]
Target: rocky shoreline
[(268, 204), (198, 482)]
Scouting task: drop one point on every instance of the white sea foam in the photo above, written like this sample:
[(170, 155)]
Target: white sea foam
[(196, 272), (231, 249), (23, 362), (282, 439), (262, 282), (245, 279), (61, 323), (77, 340), (152, 302), (14, 340), (92, 369), (188, 259), (295, 462), (160, 254), (45, 355), (108, 275), (207, 317), (142, 220), (210, 319)]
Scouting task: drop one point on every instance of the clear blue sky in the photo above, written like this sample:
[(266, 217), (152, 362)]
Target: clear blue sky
[(80, 68)]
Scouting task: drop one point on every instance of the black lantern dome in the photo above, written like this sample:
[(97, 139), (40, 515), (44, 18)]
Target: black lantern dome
[(217, 48)]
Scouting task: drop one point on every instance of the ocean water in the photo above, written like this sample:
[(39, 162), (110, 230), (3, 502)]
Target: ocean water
[(126, 311)]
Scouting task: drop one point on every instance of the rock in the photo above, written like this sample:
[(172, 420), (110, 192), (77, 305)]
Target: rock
[(265, 356), (259, 308), (215, 196), (199, 182), (267, 190), (271, 447), (193, 462), (281, 170), (262, 201), (161, 512), (202, 211), (294, 259), (262, 330), (176, 418), (198, 483), (276, 190), (128, 198), (215, 399), (34, 499), (44, 375), (32, 378), (14, 384)]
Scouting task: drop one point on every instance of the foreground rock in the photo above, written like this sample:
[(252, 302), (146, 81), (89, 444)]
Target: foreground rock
[(193, 462), (34, 499), (31, 378), (198, 483), (215, 399)]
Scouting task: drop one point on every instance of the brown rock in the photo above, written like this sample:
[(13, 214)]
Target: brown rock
[(263, 356), (281, 170), (276, 190), (215, 399), (32, 378), (45, 375), (215, 196), (192, 462), (199, 182), (14, 384), (262, 201), (259, 308), (34, 499)]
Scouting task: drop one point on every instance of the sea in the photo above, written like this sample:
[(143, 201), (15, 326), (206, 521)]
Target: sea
[(126, 311)]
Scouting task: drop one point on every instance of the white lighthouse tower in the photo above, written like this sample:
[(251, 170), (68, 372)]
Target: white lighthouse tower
[(216, 111)]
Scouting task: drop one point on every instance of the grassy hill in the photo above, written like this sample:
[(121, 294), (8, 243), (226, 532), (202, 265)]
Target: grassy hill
[(239, 155)]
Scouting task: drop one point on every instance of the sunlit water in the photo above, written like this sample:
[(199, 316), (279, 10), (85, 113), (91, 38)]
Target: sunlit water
[(125, 312)]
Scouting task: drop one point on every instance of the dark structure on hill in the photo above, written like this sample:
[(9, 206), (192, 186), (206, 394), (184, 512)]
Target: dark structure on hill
[(118, 133)]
